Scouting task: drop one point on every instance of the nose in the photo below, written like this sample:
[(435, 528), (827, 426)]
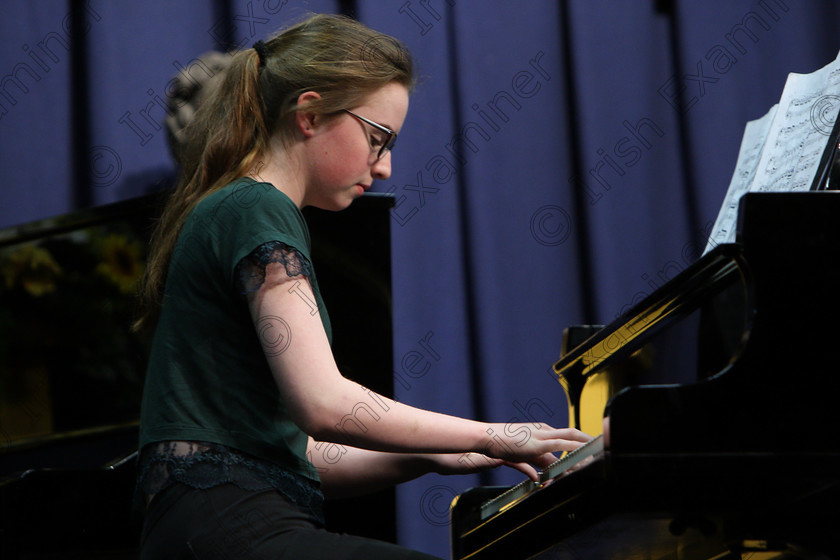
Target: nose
[(381, 168)]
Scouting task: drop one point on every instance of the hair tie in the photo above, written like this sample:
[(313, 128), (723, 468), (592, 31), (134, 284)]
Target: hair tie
[(262, 52)]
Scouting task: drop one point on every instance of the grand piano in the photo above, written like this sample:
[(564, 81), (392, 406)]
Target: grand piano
[(715, 406)]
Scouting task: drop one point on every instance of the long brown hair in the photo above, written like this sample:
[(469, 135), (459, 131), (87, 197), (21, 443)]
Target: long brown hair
[(338, 57)]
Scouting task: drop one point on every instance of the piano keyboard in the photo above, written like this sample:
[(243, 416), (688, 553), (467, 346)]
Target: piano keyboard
[(516, 493)]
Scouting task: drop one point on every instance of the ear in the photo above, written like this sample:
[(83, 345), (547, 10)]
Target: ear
[(305, 120)]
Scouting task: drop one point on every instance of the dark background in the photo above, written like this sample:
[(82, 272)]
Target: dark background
[(500, 240)]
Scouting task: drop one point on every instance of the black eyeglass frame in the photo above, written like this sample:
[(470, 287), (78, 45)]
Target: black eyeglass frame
[(392, 136)]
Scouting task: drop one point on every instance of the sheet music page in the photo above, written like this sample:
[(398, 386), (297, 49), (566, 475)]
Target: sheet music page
[(797, 137), (752, 143), (796, 132)]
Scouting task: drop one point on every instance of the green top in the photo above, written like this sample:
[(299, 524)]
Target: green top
[(208, 378)]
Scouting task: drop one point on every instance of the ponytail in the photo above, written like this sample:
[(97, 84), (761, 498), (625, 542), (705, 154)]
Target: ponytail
[(341, 59)]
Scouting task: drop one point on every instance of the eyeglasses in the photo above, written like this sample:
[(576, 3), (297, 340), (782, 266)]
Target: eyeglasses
[(389, 142)]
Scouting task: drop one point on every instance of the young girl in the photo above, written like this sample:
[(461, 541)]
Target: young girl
[(241, 381)]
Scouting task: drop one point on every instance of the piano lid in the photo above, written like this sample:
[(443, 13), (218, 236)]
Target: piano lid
[(720, 276), (731, 450)]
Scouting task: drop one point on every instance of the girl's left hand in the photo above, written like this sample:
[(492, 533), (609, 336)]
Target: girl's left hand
[(469, 463)]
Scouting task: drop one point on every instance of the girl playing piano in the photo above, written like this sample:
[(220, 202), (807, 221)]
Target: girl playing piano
[(241, 382)]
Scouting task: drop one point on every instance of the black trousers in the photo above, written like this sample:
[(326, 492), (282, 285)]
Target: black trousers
[(228, 523)]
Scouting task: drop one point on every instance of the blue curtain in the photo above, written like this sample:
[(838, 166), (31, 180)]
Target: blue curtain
[(560, 161)]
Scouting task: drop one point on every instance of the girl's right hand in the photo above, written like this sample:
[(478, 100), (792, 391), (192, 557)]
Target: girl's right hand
[(530, 443)]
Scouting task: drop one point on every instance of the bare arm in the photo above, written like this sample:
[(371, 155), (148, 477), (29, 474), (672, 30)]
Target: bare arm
[(331, 408), (349, 471)]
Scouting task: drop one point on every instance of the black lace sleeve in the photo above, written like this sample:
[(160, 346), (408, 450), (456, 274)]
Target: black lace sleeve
[(250, 272)]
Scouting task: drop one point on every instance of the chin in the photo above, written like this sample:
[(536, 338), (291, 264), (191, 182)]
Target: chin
[(335, 205)]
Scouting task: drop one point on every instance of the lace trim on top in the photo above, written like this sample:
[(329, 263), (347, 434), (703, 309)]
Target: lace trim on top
[(250, 271), (206, 465)]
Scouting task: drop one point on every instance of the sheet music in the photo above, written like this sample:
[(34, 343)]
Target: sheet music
[(797, 138), (752, 143), (795, 134)]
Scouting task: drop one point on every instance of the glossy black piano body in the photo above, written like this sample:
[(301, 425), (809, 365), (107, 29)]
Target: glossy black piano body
[(725, 437)]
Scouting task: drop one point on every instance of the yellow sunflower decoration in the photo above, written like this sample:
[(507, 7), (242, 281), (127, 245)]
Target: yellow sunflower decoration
[(31, 267), (121, 262)]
